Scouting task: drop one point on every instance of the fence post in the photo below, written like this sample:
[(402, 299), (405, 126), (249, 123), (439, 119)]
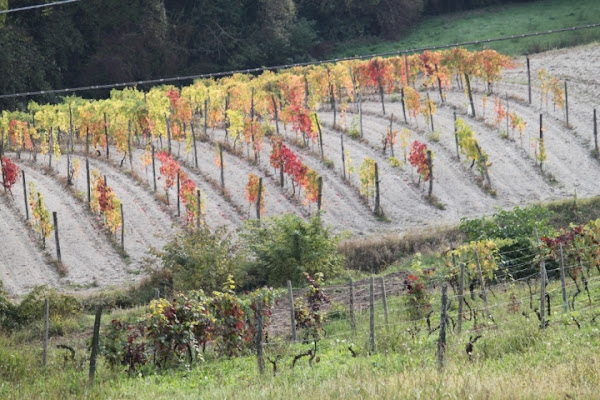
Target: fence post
[(562, 279), (482, 284), (258, 205), (46, 318), (87, 174), (595, 134), (456, 138), (543, 280), (25, 197), (320, 194), (441, 347), (529, 79), (199, 208), (385, 304), (352, 318), (430, 166), (566, 104), (292, 316), (259, 338), (55, 219), (461, 289), (177, 194), (153, 169), (123, 228), (372, 313), (92, 373)]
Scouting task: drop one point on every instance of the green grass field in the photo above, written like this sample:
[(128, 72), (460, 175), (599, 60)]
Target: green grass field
[(495, 22), (513, 359)]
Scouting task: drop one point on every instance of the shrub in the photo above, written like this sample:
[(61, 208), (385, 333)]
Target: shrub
[(284, 248), (518, 225), (200, 259)]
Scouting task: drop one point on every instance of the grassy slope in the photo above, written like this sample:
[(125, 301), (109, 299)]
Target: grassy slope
[(495, 22), (513, 359)]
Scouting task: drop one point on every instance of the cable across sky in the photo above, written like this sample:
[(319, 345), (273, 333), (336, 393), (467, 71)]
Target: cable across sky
[(287, 66), (56, 3)]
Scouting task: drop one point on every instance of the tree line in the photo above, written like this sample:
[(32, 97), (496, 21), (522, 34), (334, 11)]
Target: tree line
[(94, 42)]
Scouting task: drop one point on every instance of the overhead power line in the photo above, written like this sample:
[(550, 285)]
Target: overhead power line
[(287, 66), (56, 3)]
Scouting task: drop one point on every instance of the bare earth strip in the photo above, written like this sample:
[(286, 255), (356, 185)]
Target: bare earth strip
[(22, 265)]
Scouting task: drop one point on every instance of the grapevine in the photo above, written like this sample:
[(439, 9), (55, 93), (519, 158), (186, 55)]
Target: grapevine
[(10, 173), (418, 159), (41, 215), (105, 202), (252, 192)]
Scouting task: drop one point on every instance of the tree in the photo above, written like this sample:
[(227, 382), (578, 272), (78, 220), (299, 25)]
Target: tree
[(200, 259), (284, 248)]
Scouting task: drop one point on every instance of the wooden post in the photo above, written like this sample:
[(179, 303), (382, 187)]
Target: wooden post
[(456, 138), (562, 280), (252, 125), (439, 84), (406, 70), (194, 144), (222, 167), (320, 136), (168, 134), (430, 111), (352, 317), (129, 145), (566, 104), (385, 304), (87, 140), (541, 140), (543, 282), (320, 194), (46, 323), (484, 163), (87, 174), (482, 283), (276, 114), (92, 373), (380, 88), (281, 178), (332, 101), (378, 209), (542, 293), (106, 136), (50, 147), (206, 118), (507, 117), (25, 196), (122, 229), (153, 169), (461, 289), (259, 338), (372, 314), (42, 226), (391, 135), (260, 189), (528, 80), (360, 114), (595, 134), (292, 315), (470, 94), (177, 194), (403, 105), (441, 347), (430, 166), (343, 156), (199, 207), (55, 218)]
